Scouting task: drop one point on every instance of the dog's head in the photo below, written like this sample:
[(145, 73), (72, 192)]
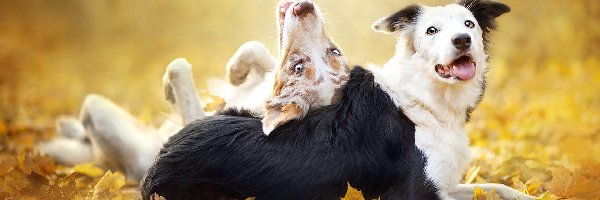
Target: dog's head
[(449, 42), (312, 68)]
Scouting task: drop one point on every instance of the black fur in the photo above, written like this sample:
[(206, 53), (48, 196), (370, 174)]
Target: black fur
[(363, 140), (237, 112), (402, 19), (485, 12)]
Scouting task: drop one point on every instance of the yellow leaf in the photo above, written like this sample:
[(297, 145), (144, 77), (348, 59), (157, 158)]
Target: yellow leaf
[(353, 194), (108, 186), (217, 104), (569, 184), (3, 128), (158, 197), (533, 185), (547, 196), (479, 194), (88, 169), (472, 174), (492, 195)]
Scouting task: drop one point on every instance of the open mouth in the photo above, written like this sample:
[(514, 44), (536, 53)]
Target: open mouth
[(462, 69)]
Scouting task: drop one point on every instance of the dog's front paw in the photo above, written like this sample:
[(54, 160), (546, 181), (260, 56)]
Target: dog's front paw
[(176, 69)]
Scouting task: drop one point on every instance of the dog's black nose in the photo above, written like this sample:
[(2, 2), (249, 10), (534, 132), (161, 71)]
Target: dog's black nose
[(303, 7), (462, 41)]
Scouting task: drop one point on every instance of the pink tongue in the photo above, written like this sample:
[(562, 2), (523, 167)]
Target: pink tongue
[(464, 70)]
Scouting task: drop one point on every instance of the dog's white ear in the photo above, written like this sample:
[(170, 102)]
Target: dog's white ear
[(398, 21)]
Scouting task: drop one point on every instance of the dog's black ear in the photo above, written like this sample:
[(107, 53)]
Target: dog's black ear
[(485, 12), (398, 21)]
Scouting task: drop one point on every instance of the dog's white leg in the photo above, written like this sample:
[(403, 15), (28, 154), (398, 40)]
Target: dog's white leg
[(70, 127), (465, 191), (69, 147), (118, 138), (250, 56), (67, 151), (180, 90)]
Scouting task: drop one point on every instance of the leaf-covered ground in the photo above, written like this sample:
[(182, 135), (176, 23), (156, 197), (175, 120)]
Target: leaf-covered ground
[(541, 137), (537, 129)]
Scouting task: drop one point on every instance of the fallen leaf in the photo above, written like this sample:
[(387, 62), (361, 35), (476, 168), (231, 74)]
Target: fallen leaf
[(89, 169), (158, 197), (480, 194), (353, 194), (108, 186), (217, 104)]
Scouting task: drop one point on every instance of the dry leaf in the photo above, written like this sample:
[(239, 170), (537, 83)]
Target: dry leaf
[(108, 186), (158, 197), (353, 194), (568, 184), (89, 169), (217, 104), (480, 194), (472, 174)]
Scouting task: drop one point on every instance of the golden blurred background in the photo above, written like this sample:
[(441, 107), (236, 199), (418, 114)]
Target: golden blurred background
[(541, 113)]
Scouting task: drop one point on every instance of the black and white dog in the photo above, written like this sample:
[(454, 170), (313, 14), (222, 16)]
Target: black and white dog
[(396, 132)]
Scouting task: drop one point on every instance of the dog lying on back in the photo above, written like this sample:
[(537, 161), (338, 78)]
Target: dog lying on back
[(108, 134), (312, 68)]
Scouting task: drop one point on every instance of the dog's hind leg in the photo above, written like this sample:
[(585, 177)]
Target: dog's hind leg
[(250, 56), (70, 127), (71, 146), (117, 138), (180, 90), (465, 191), (67, 151)]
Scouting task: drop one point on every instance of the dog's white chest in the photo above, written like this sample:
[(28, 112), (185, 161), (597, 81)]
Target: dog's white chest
[(447, 152)]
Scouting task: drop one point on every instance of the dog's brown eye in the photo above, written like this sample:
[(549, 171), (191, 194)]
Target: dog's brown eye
[(336, 52), (469, 24), (432, 30), (298, 67)]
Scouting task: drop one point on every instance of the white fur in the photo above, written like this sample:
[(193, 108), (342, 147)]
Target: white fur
[(311, 48), (118, 138), (67, 150), (70, 127), (438, 106), (250, 57), (123, 143), (250, 76), (180, 90)]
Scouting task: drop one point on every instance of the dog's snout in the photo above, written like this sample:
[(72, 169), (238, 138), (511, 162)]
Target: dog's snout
[(462, 41), (304, 7)]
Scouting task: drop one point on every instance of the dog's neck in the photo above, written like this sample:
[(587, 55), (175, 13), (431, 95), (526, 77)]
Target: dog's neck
[(424, 98), (439, 111)]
